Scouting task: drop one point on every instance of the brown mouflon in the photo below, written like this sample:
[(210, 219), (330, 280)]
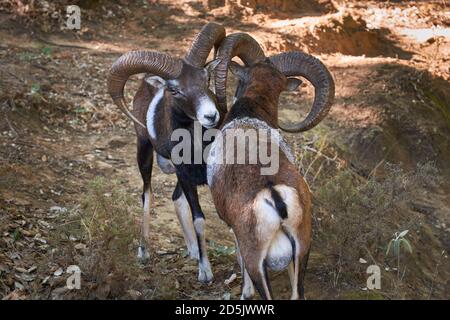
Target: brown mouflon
[(270, 214)]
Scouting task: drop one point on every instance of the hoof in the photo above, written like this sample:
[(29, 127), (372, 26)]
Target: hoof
[(205, 276), (295, 297), (143, 255), (248, 292)]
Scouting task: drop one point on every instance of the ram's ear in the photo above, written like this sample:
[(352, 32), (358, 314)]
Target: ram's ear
[(237, 70), (156, 81), (210, 66), (293, 84)]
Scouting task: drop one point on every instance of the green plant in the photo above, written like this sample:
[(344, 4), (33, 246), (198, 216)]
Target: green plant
[(220, 249), (47, 51), (353, 216), (35, 89), (26, 56), (17, 234), (397, 242)]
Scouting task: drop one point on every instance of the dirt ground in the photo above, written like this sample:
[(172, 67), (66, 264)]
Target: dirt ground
[(378, 164)]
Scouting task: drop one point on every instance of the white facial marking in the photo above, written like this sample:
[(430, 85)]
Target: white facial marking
[(152, 111), (207, 108)]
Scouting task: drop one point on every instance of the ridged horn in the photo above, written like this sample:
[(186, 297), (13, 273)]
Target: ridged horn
[(210, 36), (301, 64), (134, 62), (236, 44)]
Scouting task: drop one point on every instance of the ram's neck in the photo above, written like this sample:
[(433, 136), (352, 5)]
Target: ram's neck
[(254, 105)]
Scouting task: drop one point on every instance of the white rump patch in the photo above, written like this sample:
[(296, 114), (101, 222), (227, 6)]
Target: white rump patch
[(268, 221), (270, 225), (292, 201)]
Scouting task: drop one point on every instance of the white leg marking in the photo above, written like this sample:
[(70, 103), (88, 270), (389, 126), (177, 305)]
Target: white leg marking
[(152, 111), (184, 215), (143, 253), (248, 290), (294, 280), (204, 273)]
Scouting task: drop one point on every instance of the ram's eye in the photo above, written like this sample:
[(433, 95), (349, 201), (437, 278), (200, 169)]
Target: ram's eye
[(174, 91)]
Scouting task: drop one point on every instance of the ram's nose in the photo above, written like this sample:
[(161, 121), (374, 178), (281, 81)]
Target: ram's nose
[(211, 119)]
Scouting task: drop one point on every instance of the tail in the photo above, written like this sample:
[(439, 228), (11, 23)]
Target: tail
[(278, 204)]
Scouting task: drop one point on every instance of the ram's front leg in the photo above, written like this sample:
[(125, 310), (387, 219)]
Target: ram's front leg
[(205, 274), (145, 162), (184, 215)]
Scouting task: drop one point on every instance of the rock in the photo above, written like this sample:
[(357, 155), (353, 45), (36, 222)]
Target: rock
[(57, 209), (134, 294), (103, 165), (230, 279), (80, 246), (58, 272)]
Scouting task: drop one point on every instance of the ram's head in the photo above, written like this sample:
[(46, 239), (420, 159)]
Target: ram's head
[(184, 81), (290, 64)]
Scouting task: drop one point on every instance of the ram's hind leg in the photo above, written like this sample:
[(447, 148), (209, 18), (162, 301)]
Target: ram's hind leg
[(303, 266), (297, 269), (293, 278), (185, 217), (145, 163), (248, 290), (257, 272), (253, 257)]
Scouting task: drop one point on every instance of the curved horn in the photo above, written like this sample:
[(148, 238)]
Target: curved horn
[(134, 62), (236, 44), (210, 36), (301, 64)]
